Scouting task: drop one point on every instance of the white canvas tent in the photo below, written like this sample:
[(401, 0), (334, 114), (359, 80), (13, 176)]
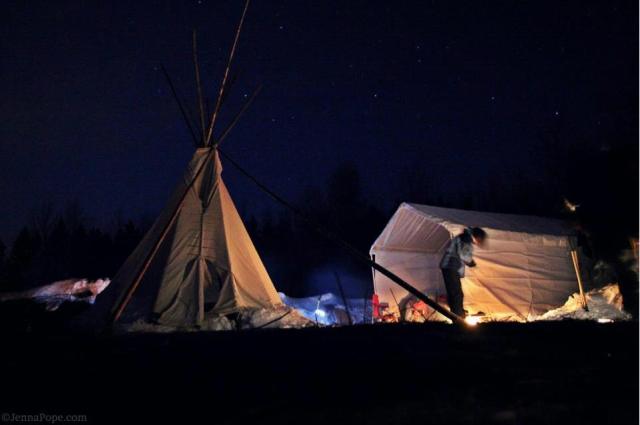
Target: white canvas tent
[(525, 270), (206, 265)]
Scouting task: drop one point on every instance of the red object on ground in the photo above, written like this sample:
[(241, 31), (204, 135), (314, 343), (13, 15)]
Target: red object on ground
[(375, 302)]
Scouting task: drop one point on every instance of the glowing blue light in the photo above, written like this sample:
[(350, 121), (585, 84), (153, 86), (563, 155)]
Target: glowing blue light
[(320, 313)]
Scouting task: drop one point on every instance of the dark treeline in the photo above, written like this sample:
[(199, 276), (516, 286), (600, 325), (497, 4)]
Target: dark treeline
[(303, 262), (603, 182), (57, 245)]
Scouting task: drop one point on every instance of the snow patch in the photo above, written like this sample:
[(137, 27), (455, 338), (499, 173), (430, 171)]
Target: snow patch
[(605, 304), (282, 317), (279, 317), (329, 309)]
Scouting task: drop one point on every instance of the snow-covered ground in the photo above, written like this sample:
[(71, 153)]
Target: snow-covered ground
[(329, 309), (282, 317), (604, 305)]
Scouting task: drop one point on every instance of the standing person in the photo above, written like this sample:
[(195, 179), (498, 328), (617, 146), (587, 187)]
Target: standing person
[(459, 253)]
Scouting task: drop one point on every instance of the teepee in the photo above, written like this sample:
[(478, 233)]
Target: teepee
[(197, 260)]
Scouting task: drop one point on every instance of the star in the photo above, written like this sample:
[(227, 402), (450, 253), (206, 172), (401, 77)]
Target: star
[(375, 95), (556, 113)]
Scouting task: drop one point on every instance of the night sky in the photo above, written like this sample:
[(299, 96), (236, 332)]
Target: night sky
[(458, 88)]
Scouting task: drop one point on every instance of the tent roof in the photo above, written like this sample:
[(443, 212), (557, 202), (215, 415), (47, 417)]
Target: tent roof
[(413, 224), (453, 218)]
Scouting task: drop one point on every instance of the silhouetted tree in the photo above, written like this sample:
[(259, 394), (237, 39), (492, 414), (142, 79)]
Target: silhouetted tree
[(19, 262), (3, 253), (127, 237), (42, 220)]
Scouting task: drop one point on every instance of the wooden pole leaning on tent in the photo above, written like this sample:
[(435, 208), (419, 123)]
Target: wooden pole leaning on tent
[(576, 267)]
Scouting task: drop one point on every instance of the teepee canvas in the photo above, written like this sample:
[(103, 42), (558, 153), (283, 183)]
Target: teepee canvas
[(206, 264)]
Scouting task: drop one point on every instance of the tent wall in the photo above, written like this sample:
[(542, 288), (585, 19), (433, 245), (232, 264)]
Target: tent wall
[(519, 274)]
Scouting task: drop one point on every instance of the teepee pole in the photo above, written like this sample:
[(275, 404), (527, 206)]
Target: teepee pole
[(182, 110), (226, 75), (198, 83), (235, 119)]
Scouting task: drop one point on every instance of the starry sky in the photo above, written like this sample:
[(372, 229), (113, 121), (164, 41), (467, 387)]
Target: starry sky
[(87, 116)]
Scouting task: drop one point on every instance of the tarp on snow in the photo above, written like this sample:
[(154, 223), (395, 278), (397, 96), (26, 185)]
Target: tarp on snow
[(55, 294), (603, 305), (330, 309)]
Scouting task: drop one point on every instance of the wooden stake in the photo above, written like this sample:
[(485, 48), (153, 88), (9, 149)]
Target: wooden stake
[(201, 272), (576, 267)]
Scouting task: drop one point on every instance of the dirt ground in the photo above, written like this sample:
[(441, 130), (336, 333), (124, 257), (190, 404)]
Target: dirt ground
[(539, 373)]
